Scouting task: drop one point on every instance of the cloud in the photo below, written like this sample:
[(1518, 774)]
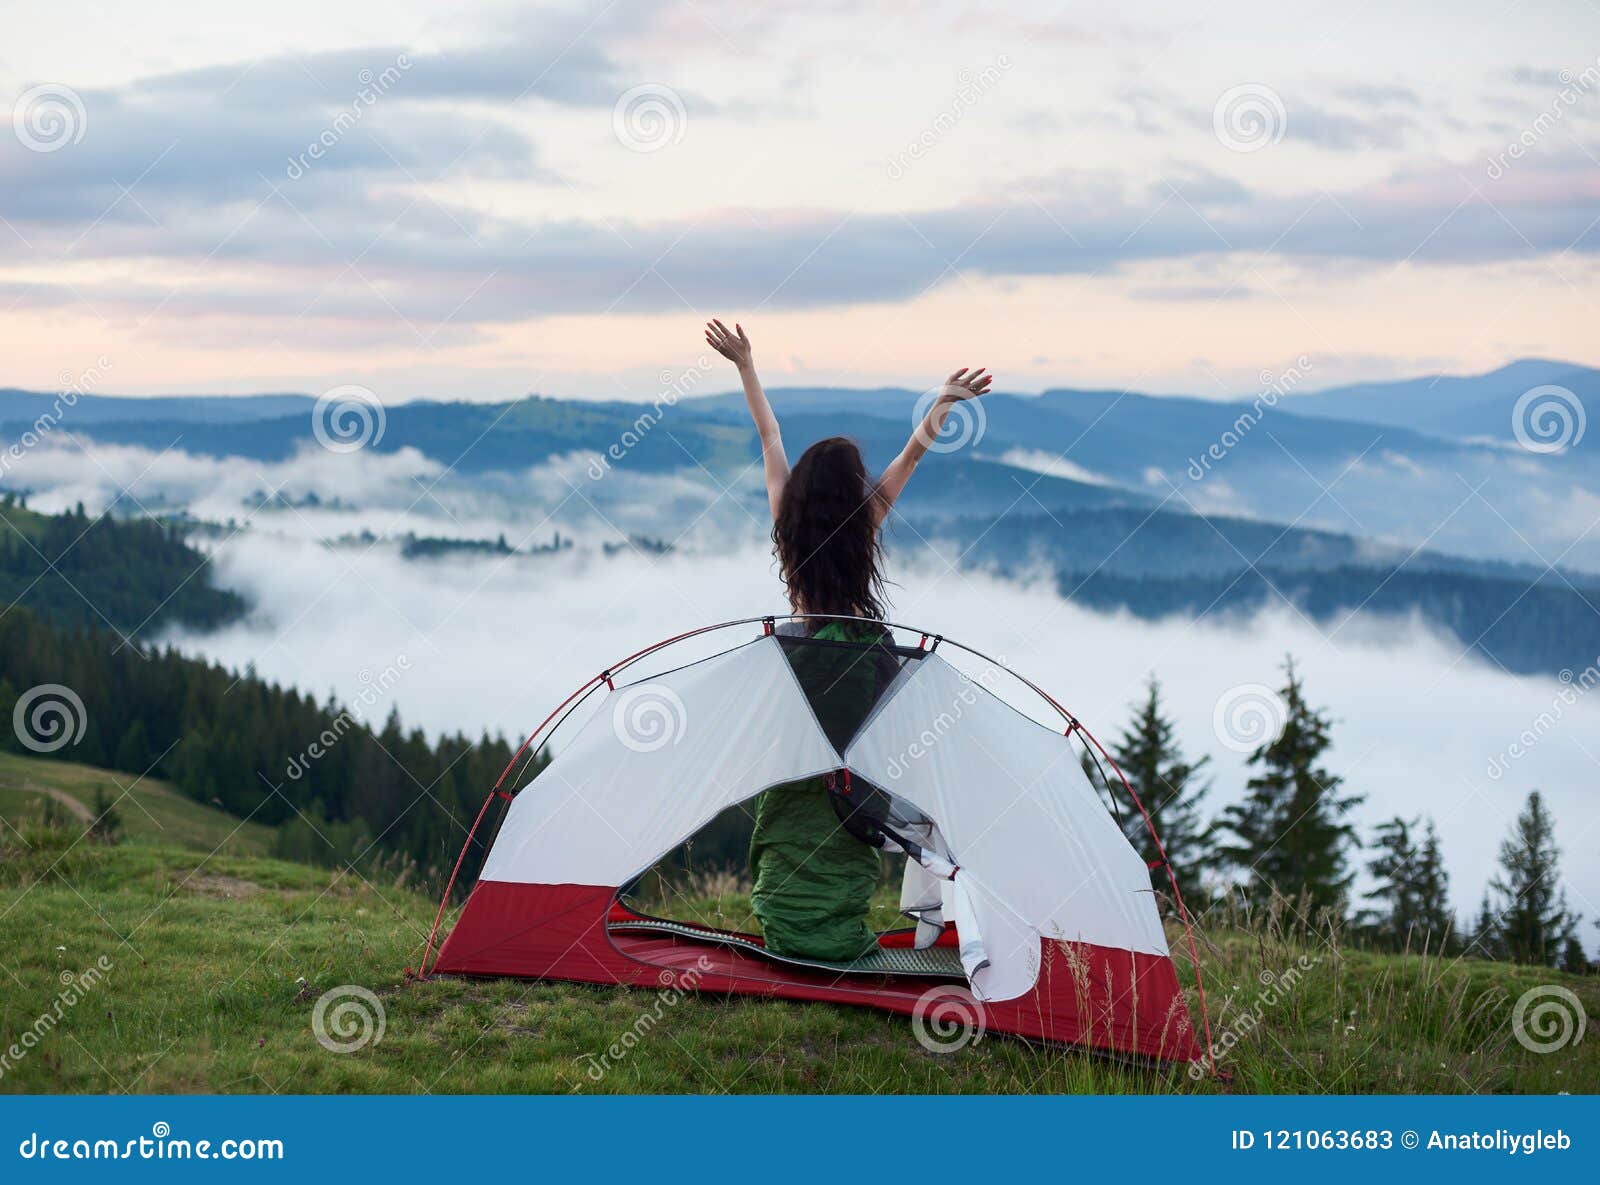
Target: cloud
[(391, 493), (1338, 130), (428, 260), (197, 142), (62, 471), (178, 209), (1379, 94), (169, 162), (1052, 465)]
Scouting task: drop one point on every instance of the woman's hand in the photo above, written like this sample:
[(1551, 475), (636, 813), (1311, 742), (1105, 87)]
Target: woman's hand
[(961, 385), (735, 346)]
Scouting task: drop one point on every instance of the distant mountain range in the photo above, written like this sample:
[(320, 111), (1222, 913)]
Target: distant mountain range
[(17, 407), (1406, 495), (1123, 431), (1431, 461), (1464, 407)]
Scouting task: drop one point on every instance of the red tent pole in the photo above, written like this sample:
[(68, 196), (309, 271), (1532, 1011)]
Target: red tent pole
[(444, 901), (451, 883)]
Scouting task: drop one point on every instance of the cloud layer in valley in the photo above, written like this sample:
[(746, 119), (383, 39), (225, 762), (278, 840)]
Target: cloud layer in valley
[(496, 643)]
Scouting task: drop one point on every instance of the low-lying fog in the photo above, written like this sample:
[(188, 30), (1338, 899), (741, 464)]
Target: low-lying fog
[(494, 642)]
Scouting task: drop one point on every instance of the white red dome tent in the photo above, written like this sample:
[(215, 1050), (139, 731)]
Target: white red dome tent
[(1019, 876)]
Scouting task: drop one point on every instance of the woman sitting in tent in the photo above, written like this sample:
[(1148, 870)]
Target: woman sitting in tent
[(814, 879)]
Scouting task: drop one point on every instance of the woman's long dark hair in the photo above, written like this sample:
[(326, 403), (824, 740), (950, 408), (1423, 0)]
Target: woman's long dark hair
[(826, 533)]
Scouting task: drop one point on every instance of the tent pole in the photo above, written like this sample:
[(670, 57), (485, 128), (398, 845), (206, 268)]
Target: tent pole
[(444, 901)]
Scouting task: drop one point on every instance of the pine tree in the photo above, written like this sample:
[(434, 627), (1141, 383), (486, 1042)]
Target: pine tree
[(106, 826), (133, 751), (1150, 758), (1393, 868), (51, 816), (8, 706), (1412, 887), (1436, 917), (1486, 940), (1291, 830), (1534, 922)]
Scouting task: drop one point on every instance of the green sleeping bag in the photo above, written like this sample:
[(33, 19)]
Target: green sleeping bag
[(814, 880)]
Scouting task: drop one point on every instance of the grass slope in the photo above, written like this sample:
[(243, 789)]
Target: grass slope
[(150, 809), (217, 963)]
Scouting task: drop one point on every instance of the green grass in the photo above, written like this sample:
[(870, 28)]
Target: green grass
[(217, 963), (150, 809)]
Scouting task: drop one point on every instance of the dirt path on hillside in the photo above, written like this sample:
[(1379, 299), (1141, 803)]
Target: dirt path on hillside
[(78, 811)]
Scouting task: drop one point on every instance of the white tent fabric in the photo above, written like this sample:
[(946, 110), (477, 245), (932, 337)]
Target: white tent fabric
[(655, 764), (1039, 855)]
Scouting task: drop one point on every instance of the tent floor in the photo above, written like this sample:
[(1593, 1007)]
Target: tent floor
[(940, 962)]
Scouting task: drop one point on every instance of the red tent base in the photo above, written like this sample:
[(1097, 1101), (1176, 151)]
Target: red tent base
[(1099, 997)]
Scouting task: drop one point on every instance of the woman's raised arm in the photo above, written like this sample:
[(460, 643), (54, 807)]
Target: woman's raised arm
[(958, 387), (735, 347)]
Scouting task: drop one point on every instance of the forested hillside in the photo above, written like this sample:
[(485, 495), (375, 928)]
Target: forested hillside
[(1158, 564), (128, 575), (339, 787)]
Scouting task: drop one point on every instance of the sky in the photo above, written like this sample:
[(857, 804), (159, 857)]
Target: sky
[(481, 201)]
